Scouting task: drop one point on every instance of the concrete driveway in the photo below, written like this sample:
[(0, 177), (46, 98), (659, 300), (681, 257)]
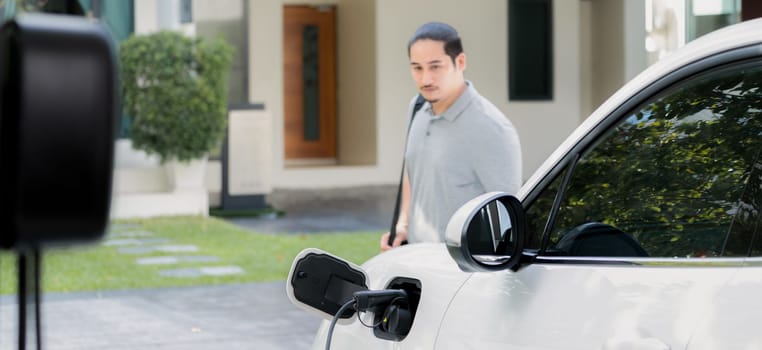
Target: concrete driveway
[(231, 317)]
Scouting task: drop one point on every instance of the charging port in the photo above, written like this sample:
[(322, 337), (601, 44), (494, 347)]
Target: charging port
[(396, 320)]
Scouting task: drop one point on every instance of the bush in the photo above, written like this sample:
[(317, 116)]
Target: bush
[(175, 89)]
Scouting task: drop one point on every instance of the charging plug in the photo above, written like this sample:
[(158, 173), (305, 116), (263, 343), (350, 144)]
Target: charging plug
[(368, 299)]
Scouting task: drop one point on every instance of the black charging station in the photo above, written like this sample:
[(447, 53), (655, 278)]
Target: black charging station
[(58, 110)]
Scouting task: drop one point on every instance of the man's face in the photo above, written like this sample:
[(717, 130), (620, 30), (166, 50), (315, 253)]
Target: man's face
[(436, 76)]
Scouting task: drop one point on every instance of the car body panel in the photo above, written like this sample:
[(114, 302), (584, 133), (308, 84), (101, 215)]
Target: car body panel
[(564, 306), (729, 322)]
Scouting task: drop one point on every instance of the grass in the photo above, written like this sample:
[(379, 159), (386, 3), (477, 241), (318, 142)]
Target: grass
[(263, 257)]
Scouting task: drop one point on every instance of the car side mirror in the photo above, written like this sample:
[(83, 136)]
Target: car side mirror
[(321, 283), (487, 233)]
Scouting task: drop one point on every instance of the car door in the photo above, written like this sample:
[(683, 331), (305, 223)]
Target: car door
[(641, 229), (729, 322)]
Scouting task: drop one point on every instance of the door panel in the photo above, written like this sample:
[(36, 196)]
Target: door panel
[(730, 320), (582, 307), (309, 72)]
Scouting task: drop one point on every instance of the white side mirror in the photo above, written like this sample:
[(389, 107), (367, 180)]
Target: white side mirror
[(487, 233)]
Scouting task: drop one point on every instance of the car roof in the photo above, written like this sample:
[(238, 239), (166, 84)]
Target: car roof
[(732, 37)]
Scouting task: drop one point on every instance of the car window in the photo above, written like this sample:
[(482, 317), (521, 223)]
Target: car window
[(678, 177)]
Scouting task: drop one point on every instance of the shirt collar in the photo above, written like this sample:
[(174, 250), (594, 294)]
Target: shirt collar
[(458, 106)]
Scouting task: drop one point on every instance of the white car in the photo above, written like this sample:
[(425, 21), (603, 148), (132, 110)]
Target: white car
[(641, 231)]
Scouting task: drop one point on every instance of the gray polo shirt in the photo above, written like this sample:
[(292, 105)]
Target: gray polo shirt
[(470, 149)]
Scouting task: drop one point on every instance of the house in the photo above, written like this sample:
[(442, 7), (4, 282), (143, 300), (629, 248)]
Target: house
[(319, 89)]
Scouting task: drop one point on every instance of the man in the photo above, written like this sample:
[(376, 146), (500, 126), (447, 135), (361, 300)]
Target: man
[(459, 144)]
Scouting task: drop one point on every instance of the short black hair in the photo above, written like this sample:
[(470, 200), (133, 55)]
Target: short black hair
[(438, 31)]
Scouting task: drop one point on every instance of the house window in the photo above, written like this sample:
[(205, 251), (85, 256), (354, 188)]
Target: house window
[(708, 15), (530, 49), (671, 24), (186, 11)]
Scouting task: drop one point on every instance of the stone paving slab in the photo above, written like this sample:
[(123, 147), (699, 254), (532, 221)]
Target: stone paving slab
[(244, 316), (136, 250), (124, 227), (203, 271), (134, 241), (130, 234), (185, 248), (188, 248), (174, 260)]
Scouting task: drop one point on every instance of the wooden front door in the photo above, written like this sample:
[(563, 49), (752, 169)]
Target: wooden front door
[(309, 69)]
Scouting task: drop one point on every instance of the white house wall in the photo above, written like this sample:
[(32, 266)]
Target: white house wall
[(636, 59), (617, 50), (146, 16), (357, 84)]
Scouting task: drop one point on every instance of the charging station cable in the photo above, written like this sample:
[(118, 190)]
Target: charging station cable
[(343, 308)]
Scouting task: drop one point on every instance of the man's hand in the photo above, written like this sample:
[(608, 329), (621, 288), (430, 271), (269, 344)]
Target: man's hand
[(401, 235)]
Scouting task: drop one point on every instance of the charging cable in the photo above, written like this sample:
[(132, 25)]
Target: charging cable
[(343, 308), (363, 301)]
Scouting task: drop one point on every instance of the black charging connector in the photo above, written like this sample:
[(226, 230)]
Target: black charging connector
[(367, 300), (371, 300)]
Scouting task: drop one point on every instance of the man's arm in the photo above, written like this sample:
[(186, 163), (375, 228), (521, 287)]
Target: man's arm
[(402, 221)]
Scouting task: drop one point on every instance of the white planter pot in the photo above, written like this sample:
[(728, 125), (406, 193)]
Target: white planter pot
[(186, 175)]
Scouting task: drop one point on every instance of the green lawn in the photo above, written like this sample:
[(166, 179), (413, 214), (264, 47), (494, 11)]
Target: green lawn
[(263, 257)]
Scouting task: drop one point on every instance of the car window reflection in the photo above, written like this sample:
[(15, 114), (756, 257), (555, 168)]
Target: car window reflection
[(680, 175)]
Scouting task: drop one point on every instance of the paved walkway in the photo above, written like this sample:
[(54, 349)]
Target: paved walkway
[(231, 317)]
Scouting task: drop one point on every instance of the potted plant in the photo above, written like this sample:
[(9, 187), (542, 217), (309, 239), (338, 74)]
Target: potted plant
[(175, 89)]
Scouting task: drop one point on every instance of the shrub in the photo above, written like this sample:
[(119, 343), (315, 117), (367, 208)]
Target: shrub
[(175, 89)]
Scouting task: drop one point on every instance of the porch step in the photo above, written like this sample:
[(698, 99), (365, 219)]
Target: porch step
[(136, 180), (145, 205)]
